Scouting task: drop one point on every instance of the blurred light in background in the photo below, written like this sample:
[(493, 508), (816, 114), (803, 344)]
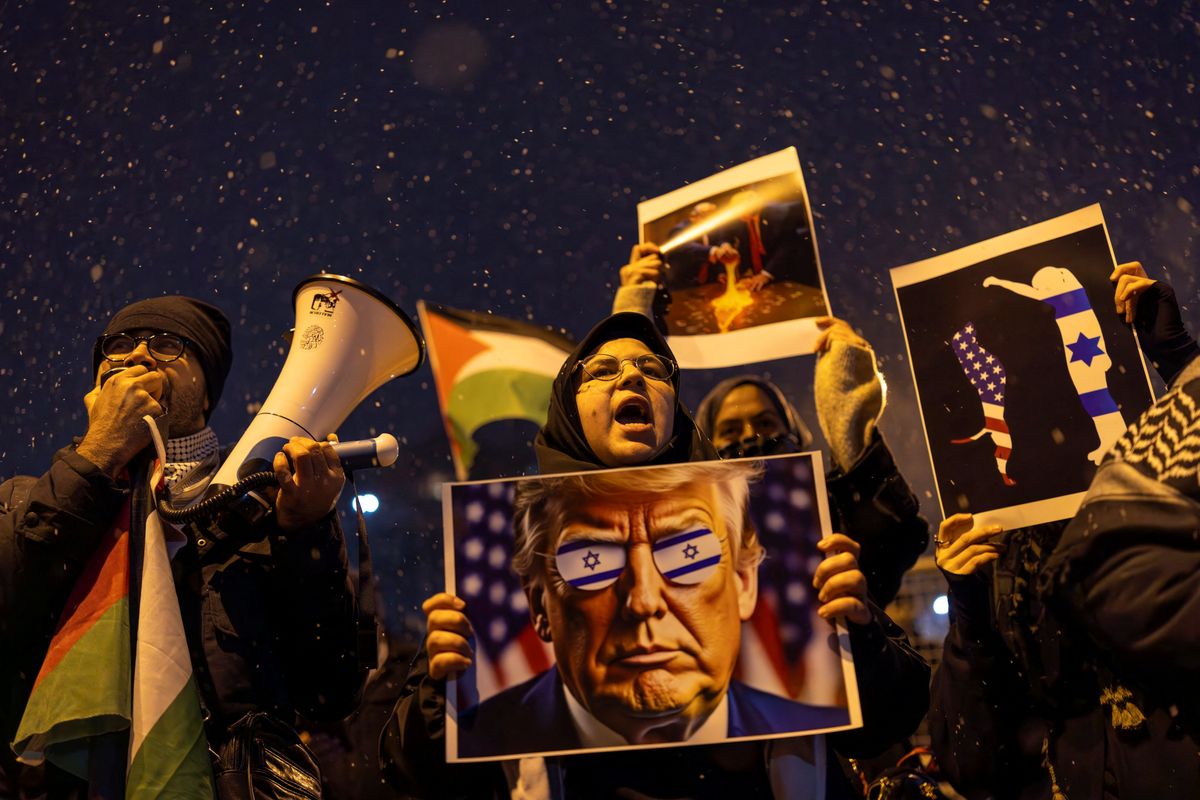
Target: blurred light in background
[(370, 503)]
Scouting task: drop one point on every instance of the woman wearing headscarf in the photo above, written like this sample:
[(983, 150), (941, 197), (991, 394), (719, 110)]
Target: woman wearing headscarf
[(614, 404), (869, 500), (569, 440)]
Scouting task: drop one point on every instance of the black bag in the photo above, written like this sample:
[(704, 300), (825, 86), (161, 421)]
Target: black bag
[(904, 783), (908, 780), (264, 759)]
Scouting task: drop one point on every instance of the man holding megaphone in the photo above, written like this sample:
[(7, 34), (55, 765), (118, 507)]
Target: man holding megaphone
[(97, 590)]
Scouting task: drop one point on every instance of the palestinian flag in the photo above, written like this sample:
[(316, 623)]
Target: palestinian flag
[(83, 688), (487, 368), (168, 751)]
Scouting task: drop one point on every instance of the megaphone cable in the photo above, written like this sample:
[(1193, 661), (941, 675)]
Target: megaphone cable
[(365, 453), (209, 506)]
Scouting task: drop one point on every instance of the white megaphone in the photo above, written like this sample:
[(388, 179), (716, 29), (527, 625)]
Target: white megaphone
[(349, 340)]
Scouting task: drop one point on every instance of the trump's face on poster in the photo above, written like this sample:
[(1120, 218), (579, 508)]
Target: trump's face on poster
[(632, 608), (642, 594)]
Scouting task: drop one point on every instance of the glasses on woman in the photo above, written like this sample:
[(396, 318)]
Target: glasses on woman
[(162, 346), (603, 367)]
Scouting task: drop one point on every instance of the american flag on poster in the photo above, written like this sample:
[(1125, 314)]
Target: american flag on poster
[(986, 374), (508, 650), (775, 641), (777, 636)]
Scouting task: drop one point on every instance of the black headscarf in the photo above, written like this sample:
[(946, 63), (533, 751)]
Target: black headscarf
[(560, 444), (710, 406)]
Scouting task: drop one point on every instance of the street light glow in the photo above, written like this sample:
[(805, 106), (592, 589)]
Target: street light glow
[(370, 503)]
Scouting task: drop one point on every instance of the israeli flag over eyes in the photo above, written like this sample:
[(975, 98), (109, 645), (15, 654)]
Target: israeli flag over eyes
[(590, 565), (688, 557)]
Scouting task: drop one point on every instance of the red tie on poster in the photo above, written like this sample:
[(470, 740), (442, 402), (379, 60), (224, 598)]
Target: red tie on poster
[(757, 251)]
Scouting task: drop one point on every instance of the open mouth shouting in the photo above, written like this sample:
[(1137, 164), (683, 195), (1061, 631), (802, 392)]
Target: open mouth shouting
[(633, 414)]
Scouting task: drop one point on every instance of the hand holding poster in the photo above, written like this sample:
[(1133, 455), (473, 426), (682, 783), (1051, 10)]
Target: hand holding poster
[(743, 279), (633, 608), (1025, 374)]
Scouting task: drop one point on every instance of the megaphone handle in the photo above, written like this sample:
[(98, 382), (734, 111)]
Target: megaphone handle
[(368, 647)]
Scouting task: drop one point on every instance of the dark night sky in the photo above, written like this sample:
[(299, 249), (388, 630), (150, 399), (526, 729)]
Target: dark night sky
[(491, 158)]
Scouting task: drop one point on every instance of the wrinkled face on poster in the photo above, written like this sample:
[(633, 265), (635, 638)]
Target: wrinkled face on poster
[(641, 582)]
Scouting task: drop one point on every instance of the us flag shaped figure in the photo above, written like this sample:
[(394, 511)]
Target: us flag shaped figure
[(986, 374)]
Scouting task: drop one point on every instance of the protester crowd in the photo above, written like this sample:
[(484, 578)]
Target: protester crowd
[(1069, 670)]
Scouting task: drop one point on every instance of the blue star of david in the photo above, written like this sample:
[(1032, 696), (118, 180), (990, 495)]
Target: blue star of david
[(691, 551), (591, 560), (1085, 349)]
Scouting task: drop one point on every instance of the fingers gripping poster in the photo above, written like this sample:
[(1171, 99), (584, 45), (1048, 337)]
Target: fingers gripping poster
[(1025, 374)]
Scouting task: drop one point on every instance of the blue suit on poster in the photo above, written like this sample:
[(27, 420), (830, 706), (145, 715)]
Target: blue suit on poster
[(533, 717)]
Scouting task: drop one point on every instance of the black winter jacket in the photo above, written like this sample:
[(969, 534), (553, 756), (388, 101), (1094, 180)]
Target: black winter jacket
[(270, 622), (1109, 603)]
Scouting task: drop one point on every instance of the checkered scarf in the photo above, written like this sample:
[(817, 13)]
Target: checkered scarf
[(186, 453)]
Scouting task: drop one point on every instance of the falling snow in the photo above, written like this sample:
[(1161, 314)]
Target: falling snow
[(494, 162)]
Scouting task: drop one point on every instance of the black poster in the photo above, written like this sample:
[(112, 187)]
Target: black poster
[(1025, 374)]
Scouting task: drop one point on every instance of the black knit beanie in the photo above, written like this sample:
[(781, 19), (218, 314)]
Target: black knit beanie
[(203, 325)]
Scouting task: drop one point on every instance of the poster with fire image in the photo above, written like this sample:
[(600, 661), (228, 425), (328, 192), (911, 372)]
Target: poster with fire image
[(743, 280)]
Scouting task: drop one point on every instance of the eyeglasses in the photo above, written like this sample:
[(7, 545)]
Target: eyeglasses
[(162, 346), (685, 558), (603, 367)]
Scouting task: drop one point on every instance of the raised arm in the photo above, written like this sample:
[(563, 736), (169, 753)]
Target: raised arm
[(1154, 311), (978, 702), (1014, 287), (640, 279), (870, 499)]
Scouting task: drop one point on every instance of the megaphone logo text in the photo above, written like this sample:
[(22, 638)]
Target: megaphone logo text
[(330, 368), (324, 303)]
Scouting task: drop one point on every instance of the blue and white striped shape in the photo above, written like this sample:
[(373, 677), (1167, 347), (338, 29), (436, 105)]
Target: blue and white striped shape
[(590, 565), (688, 557)]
